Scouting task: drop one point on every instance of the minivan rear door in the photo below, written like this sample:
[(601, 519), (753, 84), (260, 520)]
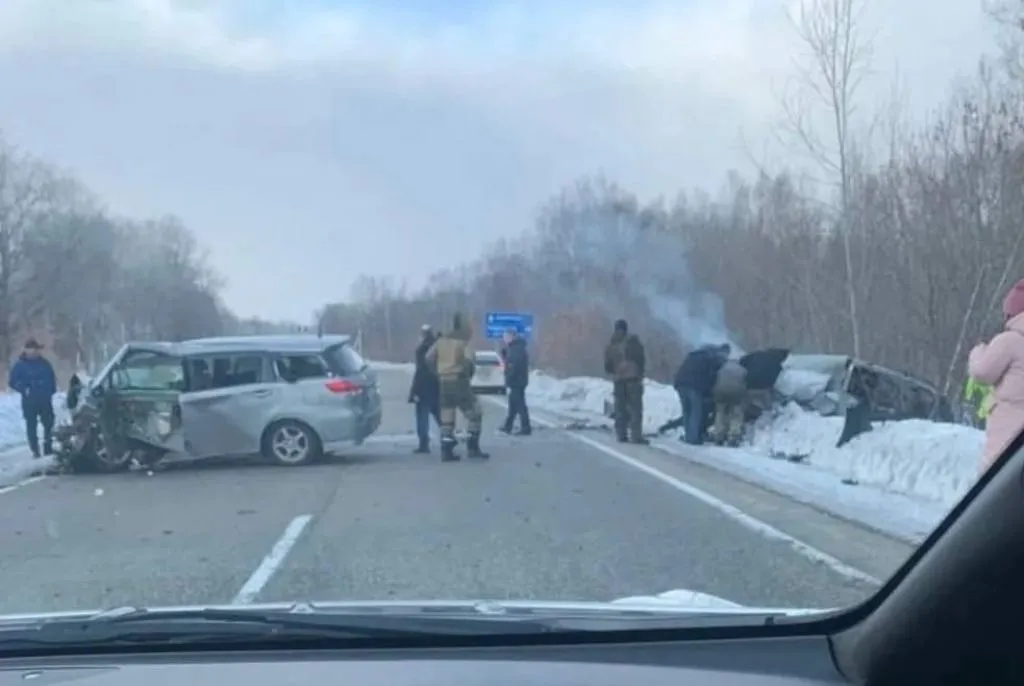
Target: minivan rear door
[(347, 363)]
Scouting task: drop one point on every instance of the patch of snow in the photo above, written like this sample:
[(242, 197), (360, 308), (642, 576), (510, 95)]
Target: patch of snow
[(392, 366), (686, 599), (931, 461), (680, 596), (16, 461), (584, 397)]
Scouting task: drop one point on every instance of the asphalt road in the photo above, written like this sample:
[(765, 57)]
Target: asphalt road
[(557, 515)]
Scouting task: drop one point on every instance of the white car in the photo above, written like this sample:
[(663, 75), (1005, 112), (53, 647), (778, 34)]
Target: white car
[(489, 376)]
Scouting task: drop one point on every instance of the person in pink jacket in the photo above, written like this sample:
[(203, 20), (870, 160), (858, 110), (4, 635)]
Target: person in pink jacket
[(1000, 363)]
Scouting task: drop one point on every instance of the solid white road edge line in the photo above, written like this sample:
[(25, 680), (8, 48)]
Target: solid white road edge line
[(18, 484), (273, 561), (741, 517)]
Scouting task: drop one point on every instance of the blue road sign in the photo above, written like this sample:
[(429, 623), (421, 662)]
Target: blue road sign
[(497, 323)]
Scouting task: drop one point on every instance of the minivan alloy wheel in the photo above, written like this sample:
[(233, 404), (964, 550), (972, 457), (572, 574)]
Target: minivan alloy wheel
[(291, 444)]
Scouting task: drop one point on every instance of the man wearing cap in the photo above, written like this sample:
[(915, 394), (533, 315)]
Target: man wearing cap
[(32, 376), (424, 390), (625, 361)]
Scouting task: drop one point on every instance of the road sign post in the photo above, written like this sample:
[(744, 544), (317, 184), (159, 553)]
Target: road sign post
[(497, 323)]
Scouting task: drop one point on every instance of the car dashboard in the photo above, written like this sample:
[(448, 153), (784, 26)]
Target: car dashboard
[(760, 662)]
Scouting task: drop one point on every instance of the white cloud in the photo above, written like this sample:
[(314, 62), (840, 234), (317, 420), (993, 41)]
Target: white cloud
[(315, 144)]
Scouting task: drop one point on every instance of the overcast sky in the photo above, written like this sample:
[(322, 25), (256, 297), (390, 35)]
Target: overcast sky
[(308, 141)]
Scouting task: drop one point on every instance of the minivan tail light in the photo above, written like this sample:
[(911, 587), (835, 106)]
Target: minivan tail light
[(342, 386)]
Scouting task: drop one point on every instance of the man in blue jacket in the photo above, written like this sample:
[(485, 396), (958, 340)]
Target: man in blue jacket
[(32, 376)]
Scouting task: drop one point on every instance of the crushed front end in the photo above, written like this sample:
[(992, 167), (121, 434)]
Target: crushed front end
[(109, 430)]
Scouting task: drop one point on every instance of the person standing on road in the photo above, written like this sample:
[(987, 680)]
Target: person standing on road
[(625, 361), (1000, 363), (452, 359), (424, 391), (730, 395), (517, 376), (32, 376)]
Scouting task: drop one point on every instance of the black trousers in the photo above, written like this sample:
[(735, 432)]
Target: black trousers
[(517, 408), (425, 409), (35, 414)]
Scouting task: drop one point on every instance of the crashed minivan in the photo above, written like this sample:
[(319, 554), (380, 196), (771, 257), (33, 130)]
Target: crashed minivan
[(289, 399)]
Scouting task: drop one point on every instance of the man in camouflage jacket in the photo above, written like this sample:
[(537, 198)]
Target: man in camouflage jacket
[(452, 359)]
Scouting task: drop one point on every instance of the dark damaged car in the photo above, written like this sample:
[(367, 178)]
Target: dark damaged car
[(829, 384), (289, 399)]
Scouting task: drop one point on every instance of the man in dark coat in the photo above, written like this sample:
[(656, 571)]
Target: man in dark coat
[(517, 377), (424, 391), (763, 370), (625, 361), (694, 383), (33, 377)]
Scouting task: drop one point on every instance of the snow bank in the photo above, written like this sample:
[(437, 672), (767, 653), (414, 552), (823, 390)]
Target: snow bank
[(16, 461), (584, 397), (928, 460)]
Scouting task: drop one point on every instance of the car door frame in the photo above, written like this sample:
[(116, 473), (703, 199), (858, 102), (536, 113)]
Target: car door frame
[(222, 422), (109, 419)]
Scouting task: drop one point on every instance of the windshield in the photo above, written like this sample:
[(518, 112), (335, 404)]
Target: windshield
[(564, 305), (143, 370)]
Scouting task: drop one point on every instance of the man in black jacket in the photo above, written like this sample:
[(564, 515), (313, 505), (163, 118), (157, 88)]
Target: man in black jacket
[(517, 376), (424, 392), (694, 382), (763, 370)]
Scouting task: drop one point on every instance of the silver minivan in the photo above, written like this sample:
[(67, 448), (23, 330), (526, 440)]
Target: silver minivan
[(288, 398)]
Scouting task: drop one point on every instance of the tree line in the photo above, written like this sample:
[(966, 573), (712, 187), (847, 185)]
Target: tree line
[(83, 280), (895, 244)]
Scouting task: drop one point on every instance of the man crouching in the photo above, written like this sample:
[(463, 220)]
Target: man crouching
[(452, 358)]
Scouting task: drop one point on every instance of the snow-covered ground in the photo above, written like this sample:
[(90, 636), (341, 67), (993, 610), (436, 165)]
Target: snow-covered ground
[(901, 478), (16, 461)]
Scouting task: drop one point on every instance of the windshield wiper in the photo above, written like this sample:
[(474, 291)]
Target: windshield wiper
[(182, 627)]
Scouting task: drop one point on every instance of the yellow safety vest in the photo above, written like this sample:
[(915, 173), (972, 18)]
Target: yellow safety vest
[(980, 393)]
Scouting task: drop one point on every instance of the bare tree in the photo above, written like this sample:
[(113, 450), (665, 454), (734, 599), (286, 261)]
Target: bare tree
[(830, 73), (27, 192)]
